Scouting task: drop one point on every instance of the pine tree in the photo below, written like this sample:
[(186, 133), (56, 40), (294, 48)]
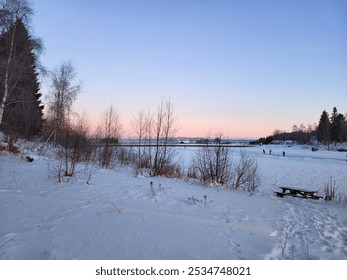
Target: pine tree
[(323, 129), (22, 114)]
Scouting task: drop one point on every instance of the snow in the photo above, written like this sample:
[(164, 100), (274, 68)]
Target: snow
[(119, 215)]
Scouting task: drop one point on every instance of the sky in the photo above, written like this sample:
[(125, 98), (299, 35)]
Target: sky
[(242, 68)]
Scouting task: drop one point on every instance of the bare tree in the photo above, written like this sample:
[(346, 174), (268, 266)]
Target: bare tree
[(12, 10), (74, 145), (148, 153), (63, 94), (169, 129), (138, 124), (158, 130), (109, 131), (153, 133), (164, 128)]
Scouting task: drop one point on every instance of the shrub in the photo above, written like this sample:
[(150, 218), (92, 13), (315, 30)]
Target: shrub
[(213, 164), (246, 173), (330, 190)]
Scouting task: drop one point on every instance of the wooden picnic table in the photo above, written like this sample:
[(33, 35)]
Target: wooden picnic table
[(295, 192)]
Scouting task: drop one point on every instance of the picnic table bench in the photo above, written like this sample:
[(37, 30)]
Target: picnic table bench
[(295, 192)]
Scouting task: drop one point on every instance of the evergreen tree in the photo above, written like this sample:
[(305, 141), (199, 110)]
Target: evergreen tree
[(23, 109), (323, 129), (336, 126), (344, 128)]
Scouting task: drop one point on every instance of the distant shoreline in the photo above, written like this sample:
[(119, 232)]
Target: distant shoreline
[(184, 145)]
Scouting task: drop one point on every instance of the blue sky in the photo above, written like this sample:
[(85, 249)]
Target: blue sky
[(244, 68)]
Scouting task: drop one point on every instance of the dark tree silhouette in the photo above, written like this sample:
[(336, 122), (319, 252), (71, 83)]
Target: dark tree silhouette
[(22, 109), (323, 129)]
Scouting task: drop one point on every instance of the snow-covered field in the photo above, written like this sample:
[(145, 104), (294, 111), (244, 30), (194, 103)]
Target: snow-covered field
[(119, 216)]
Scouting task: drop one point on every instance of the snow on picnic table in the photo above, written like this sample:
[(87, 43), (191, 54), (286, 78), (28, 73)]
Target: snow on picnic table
[(118, 216)]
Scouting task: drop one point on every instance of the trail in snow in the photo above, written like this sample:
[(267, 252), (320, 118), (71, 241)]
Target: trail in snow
[(310, 231)]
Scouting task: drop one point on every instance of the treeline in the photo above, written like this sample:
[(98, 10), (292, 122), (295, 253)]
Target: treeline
[(330, 129)]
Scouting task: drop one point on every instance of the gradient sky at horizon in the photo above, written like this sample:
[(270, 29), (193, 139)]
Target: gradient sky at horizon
[(244, 68)]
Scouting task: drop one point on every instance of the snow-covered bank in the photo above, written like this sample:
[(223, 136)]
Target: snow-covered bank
[(119, 216)]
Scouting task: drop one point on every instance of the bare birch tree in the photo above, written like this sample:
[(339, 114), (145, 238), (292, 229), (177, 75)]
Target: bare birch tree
[(62, 96), (138, 124), (153, 133), (164, 127), (148, 151), (169, 130), (158, 130), (109, 130)]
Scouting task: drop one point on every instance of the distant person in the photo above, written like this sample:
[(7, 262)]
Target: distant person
[(270, 152), (284, 153), (263, 151)]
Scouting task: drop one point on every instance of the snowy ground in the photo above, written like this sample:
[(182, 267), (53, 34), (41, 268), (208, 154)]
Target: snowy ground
[(119, 216)]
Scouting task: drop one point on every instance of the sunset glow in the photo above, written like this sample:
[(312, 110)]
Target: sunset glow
[(243, 68)]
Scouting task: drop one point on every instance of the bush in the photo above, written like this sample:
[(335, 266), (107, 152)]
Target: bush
[(192, 173), (213, 164), (330, 190), (246, 173)]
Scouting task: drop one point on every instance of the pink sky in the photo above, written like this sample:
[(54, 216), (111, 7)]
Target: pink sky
[(244, 68)]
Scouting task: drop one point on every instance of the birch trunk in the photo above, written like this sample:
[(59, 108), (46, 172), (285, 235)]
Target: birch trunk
[(6, 81)]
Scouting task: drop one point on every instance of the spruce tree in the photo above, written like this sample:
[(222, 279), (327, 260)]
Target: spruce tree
[(323, 129), (23, 114), (336, 126)]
